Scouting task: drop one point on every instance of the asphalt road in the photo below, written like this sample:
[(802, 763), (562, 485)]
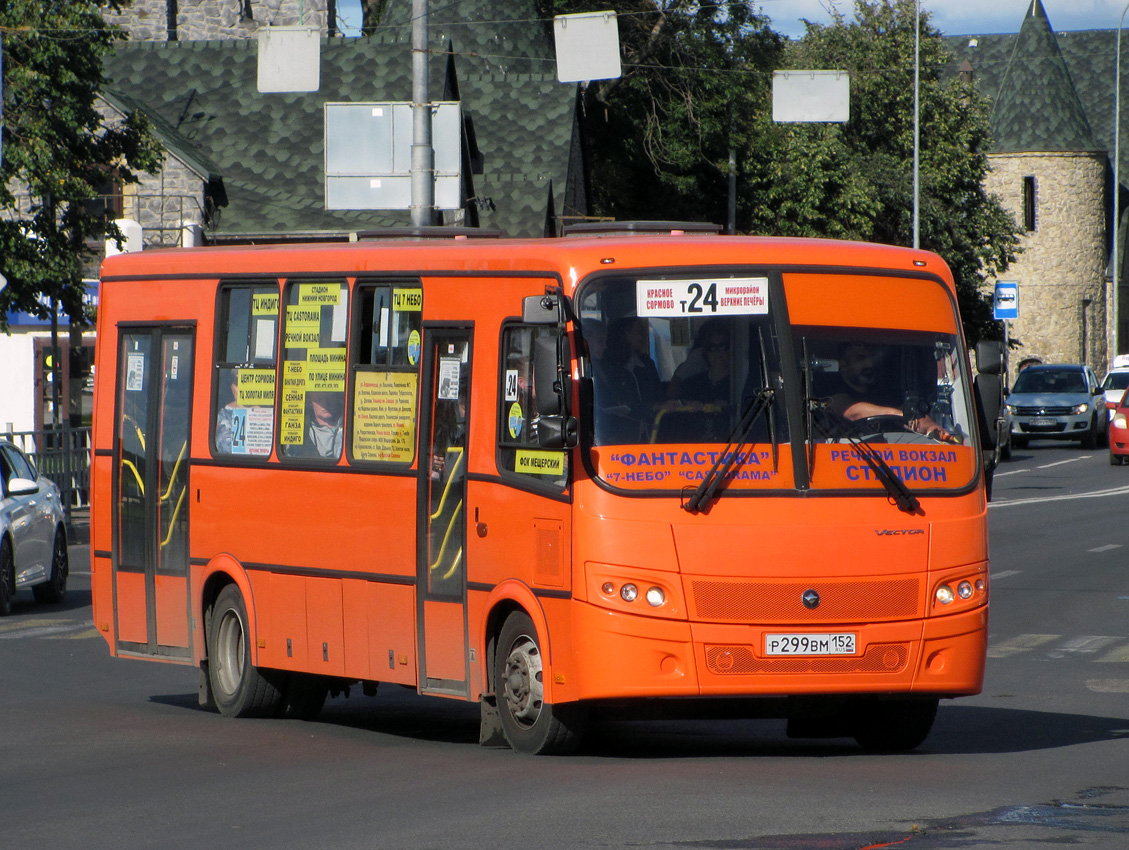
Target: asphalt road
[(107, 753)]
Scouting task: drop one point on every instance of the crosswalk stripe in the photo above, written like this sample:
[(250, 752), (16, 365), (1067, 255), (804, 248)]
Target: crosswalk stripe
[(1018, 644)]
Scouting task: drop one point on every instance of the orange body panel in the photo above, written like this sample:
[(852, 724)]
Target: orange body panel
[(326, 556)]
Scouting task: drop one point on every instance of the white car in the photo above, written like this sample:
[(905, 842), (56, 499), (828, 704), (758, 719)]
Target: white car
[(1114, 384), (33, 537)]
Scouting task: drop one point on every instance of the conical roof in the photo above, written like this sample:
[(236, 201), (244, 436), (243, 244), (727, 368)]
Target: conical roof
[(1037, 108)]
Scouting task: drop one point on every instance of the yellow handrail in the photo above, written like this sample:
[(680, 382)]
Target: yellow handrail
[(450, 479)]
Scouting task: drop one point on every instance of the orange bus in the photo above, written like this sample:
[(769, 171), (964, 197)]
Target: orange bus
[(636, 471)]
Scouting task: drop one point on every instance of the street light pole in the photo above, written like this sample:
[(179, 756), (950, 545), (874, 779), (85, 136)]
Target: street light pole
[(423, 154), (1116, 262), (917, 124)]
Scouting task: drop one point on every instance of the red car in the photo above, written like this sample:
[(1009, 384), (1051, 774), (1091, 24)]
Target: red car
[(1119, 432)]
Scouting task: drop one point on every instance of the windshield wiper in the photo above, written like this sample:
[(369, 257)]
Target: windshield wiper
[(729, 456)]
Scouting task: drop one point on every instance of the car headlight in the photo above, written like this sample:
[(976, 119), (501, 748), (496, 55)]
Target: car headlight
[(1119, 419), (1010, 408), (1082, 408)]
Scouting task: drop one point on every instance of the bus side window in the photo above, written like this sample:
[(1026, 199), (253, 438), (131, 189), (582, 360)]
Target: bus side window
[(385, 362), (313, 369), (519, 452), (245, 367)]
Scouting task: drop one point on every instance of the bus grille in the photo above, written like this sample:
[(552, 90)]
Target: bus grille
[(741, 660), (772, 602)]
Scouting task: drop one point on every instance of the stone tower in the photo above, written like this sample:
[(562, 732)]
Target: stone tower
[(1050, 172)]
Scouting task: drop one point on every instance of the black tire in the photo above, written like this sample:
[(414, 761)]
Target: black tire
[(529, 723), (1090, 440), (303, 696), (238, 687), (1005, 448), (894, 726), (7, 577), (54, 590)]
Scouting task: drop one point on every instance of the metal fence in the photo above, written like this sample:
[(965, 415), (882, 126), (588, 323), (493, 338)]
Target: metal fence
[(62, 455)]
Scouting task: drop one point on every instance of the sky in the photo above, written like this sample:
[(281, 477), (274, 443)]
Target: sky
[(952, 17)]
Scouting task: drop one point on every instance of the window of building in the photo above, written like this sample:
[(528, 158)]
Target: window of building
[(246, 359), (1029, 204)]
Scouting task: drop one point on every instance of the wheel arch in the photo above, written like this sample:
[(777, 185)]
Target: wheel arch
[(221, 571), (505, 599)]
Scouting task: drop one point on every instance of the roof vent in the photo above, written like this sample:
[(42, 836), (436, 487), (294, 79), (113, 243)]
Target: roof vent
[(639, 228)]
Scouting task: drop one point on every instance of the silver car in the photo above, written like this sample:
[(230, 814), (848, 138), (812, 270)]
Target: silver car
[(33, 537), (1057, 402)]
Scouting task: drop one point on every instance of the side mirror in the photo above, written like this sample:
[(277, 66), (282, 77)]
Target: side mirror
[(989, 401), (547, 391), (22, 487), (990, 357), (540, 310), (557, 432)]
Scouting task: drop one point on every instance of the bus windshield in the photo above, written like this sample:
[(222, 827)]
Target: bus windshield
[(677, 386)]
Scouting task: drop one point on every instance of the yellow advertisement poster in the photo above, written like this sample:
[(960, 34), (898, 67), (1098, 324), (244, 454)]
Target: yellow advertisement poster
[(407, 300), (539, 463), (256, 388), (317, 294), (384, 416), (264, 304)]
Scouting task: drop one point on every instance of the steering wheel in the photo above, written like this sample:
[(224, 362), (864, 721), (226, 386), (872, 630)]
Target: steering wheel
[(883, 423)]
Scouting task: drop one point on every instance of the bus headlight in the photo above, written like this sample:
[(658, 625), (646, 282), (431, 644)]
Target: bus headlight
[(945, 594), (656, 597), (964, 590), (629, 592)]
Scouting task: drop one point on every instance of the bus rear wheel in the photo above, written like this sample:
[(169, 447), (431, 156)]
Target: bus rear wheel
[(893, 726), (530, 724), (238, 687)]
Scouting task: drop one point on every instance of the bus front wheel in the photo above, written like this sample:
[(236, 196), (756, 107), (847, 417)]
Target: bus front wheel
[(238, 687), (891, 726), (530, 724)]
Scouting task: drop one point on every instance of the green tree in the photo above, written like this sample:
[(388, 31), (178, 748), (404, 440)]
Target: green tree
[(856, 180), (58, 152), (658, 139)]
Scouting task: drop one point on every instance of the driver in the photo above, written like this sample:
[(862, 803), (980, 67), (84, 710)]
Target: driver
[(862, 389)]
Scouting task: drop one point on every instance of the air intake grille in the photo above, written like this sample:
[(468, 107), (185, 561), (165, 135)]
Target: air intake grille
[(765, 602), (741, 660)]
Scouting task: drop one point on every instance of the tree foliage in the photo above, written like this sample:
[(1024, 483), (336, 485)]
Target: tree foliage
[(695, 76), (856, 180), (57, 151), (697, 85)]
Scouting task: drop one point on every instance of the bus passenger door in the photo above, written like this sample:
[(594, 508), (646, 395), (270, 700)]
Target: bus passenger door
[(441, 545), (151, 459)]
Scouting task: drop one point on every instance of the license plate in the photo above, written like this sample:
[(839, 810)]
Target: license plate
[(1042, 423), (838, 643)]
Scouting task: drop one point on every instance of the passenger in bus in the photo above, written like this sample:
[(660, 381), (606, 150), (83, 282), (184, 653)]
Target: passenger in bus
[(628, 386), (703, 378), (225, 418), (864, 393), (324, 423)]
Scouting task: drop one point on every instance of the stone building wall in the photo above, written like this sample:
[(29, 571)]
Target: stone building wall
[(206, 20), (1063, 296)]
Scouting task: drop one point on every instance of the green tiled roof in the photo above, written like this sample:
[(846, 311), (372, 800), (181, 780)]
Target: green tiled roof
[(269, 148), (1051, 91)]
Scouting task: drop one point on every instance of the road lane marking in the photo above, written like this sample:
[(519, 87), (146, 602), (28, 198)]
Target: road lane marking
[(1011, 472), (42, 631), (1061, 462), (1105, 548), (1082, 645), (86, 634), (1018, 644), (1108, 686), (1003, 574), (1117, 655), (1097, 494)]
